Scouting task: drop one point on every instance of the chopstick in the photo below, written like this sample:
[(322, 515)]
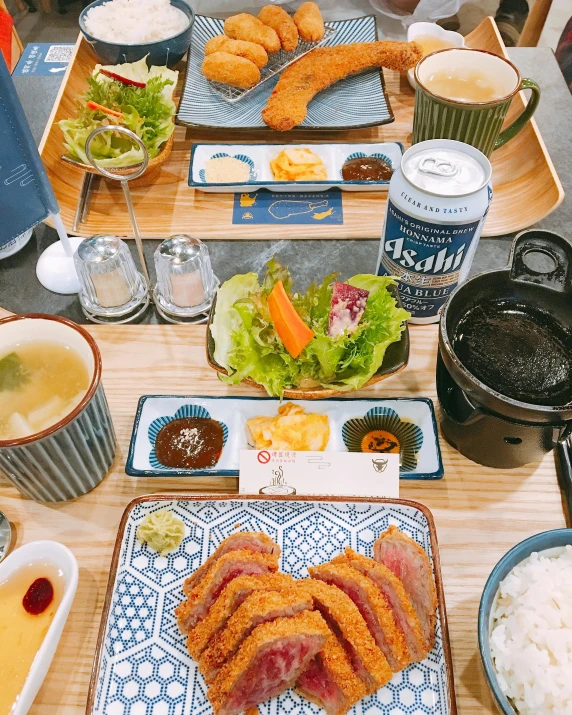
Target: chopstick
[(564, 472), (84, 200)]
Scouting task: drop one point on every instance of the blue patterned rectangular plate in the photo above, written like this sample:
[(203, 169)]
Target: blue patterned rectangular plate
[(411, 420), (142, 666), (358, 101)]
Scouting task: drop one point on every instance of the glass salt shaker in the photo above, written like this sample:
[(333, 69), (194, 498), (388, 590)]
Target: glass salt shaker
[(186, 283), (112, 289)]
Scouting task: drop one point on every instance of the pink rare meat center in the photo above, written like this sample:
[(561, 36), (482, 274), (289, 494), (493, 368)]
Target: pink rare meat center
[(317, 681), (367, 614), (253, 569), (353, 657), (275, 666)]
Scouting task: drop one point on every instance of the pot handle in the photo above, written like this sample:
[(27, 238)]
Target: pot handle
[(564, 472), (543, 258)]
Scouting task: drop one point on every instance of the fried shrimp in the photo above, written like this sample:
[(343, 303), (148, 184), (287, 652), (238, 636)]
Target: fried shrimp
[(249, 50), (308, 19), (285, 27), (249, 28), (323, 67), (230, 69)]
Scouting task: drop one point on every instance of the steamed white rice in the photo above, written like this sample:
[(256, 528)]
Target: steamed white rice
[(531, 641), (133, 22)]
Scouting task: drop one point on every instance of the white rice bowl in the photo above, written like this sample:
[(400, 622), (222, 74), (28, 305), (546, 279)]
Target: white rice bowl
[(135, 22), (531, 638)]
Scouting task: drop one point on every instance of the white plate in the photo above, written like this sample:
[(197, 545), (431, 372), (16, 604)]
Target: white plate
[(61, 558), (259, 156)]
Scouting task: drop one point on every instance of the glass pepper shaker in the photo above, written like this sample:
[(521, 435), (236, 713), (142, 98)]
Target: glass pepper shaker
[(186, 283), (112, 289)]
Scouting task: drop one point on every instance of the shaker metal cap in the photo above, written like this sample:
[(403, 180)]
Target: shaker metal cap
[(444, 167), (180, 249), (98, 249)]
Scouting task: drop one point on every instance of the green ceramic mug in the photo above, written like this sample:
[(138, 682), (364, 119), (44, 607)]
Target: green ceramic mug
[(467, 120)]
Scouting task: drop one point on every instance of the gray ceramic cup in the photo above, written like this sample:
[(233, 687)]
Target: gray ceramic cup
[(70, 458)]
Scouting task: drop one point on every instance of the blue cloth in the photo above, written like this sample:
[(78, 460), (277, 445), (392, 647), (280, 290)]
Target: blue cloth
[(26, 196)]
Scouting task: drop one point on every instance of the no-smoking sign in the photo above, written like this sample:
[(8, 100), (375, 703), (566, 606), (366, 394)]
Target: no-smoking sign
[(264, 457)]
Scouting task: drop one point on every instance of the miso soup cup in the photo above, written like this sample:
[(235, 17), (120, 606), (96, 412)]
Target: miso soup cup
[(72, 456)]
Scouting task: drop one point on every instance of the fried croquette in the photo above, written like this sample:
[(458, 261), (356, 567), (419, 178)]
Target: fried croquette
[(323, 67), (249, 50), (249, 28), (309, 22), (230, 69), (279, 20)]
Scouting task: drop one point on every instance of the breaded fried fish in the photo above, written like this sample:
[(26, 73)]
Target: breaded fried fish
[(278, 19), (309, 22), (249, 50), (230, 69), (319, 69), (249, 28)]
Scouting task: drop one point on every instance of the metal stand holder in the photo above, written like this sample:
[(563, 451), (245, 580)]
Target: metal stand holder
[(133, 313)]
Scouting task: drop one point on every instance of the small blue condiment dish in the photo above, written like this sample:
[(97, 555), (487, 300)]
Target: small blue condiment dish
[(163, 52), (540, 542)]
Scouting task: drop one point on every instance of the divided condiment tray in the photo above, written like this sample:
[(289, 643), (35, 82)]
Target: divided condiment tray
[(411, 421), (259, 156)]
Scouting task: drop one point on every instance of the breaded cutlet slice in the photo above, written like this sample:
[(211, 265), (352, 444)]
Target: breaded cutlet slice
[(268, 662), (330, 681), (393, 590), (372, 605), (410, 563), (242, 540), (258, 608), (226, 604), (222, 572), (347, 624)]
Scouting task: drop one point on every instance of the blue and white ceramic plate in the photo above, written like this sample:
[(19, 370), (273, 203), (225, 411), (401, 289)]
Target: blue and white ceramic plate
[(359, 101), (259, 156), (142, 666), (411, 421)]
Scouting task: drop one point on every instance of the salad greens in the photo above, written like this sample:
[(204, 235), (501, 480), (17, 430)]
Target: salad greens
[(148, 111), (247, 344)]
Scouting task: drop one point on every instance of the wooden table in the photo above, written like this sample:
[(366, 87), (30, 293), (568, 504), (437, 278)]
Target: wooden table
[(480, 513)]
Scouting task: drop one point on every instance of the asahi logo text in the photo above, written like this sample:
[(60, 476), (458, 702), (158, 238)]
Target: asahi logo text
[(438, 262)]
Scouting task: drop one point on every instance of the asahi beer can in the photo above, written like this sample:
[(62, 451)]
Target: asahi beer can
[(436, 207)]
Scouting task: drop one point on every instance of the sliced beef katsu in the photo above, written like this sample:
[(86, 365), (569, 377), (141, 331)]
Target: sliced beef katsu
[(330, 681), (268, 662), (372, 605), (221, 573), (409, 562), (226, 604), (258, 608), (347, 624), (394, 592), (243, 540)]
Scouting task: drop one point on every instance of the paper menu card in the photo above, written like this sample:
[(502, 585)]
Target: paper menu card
[(272, 472)]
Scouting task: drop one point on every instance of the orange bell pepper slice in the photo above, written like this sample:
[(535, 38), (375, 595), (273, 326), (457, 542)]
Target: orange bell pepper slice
[(99, 107), (291, 329)]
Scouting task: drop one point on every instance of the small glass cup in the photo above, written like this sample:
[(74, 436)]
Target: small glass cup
[(112, 289), (186, 283)]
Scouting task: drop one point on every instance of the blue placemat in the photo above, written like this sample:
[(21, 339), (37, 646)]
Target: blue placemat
[(262, 207)]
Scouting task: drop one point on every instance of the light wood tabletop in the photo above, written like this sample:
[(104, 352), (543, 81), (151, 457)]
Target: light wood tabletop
[(479, 512)]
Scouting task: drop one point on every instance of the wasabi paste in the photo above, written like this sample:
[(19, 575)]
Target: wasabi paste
[(162, 530)]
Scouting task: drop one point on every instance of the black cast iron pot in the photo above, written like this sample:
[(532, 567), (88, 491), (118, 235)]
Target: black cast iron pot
[(533, 413)]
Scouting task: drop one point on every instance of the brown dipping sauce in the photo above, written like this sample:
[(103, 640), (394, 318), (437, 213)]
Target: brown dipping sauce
[(189, 443), (366, 168)]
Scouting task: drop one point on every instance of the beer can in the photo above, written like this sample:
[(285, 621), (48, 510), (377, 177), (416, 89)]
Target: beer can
[(436, 206)]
